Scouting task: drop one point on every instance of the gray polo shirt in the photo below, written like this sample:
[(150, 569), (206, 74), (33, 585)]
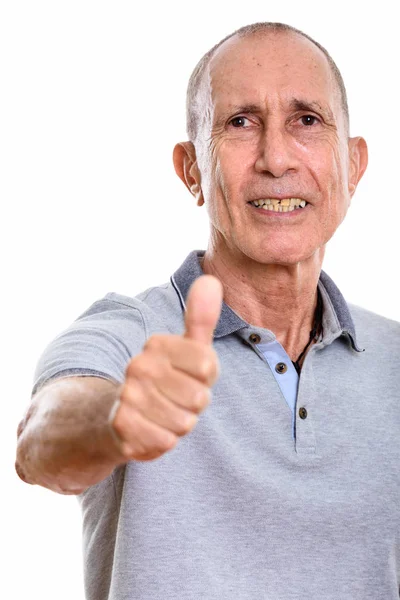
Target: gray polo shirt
[(274, 495)]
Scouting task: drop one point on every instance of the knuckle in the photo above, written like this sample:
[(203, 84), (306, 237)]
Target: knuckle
[(166, 442), (140, 398), (155, 343), (201, 399), (205, 367), (208, 366), (214, 368), (134, 366), (128, 395), (186, 424), (127, 451), (145, 445), (145, 366), (160, 368), (123, 392), (118, 423)]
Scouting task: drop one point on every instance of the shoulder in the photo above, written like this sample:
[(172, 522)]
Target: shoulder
[(156, 309), (375, 328), (105, 336)]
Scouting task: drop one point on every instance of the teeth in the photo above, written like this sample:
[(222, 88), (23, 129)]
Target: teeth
[(284, 205)]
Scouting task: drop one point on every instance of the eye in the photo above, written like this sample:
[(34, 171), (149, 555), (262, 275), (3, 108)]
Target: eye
[(239, 122), (309, 120)]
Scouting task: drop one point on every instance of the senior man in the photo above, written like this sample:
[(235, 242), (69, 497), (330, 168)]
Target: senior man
[(287, 487)]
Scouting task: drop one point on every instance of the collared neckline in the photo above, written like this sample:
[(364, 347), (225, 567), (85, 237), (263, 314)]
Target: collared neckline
[(230, 322)]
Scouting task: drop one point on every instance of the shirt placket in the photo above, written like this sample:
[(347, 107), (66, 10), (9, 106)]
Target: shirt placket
[(296, 390)]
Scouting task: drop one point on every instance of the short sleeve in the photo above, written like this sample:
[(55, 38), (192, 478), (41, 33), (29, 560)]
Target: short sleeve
[(99, 343)]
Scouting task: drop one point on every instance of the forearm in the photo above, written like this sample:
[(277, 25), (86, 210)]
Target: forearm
[(65, 441)]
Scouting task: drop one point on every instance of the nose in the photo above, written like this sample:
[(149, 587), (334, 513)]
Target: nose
[(276, 154)]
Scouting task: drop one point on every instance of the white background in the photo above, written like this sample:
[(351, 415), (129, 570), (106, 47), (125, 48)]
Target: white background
[(92, 102)]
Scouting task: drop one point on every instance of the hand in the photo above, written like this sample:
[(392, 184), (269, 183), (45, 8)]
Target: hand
[(168, 384)]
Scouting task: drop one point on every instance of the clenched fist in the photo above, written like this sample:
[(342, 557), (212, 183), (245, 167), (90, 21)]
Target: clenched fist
[(168, 384)]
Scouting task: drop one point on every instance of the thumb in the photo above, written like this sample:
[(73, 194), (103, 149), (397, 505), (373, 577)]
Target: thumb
[(203, 308)]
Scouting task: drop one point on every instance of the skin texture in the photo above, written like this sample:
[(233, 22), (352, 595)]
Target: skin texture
[(272, 127)]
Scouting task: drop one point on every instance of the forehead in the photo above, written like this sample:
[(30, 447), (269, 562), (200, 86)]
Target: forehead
[(269, 67)]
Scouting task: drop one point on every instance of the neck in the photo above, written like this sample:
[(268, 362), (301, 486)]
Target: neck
[(281, 298)]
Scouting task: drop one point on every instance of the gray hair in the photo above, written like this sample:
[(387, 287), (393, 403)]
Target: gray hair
[(193, 103)]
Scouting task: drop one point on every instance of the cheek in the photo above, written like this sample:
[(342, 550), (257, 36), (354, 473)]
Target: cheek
[(340, 196), (328, 165), (335, 197), (223, 170), (235, 167), (223, 181)]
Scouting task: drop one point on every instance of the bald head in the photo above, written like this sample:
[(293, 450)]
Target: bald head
[(195, 109)]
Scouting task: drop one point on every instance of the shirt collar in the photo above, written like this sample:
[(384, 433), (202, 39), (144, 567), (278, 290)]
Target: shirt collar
[(230, 322)]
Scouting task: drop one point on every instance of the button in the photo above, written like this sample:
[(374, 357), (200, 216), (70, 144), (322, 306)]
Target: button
[(302, 413), (281, 368), (255, 338)]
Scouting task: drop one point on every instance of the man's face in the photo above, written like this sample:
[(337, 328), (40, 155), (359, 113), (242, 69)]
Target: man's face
[(273, 130)]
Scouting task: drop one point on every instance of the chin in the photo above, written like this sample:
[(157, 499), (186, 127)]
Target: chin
[(281, 256)]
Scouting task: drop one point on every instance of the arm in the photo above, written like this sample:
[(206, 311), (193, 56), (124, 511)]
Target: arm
[(65, 441), (78, 429)]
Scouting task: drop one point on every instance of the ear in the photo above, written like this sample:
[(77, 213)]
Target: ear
[(185, 163), (358, 161)]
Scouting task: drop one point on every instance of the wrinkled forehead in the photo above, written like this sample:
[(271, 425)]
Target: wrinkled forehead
[(268, 68)]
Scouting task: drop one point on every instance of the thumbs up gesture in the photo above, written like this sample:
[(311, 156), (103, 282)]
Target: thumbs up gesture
[(168, 384)]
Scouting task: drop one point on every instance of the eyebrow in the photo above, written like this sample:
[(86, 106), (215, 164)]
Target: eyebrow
[(236, 110), (304, 105)]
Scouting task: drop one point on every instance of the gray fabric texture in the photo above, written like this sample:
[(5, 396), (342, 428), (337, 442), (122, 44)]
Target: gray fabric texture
[(239, 509)]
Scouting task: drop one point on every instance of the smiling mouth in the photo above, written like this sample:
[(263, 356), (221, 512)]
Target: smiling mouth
[(275, 205)]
